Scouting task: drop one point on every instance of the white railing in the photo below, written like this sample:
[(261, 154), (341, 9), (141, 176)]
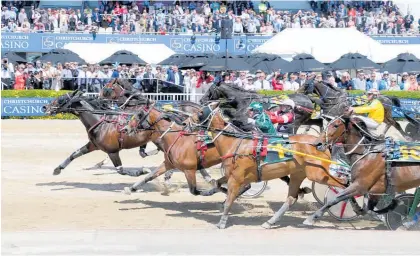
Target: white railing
[(163, 96)]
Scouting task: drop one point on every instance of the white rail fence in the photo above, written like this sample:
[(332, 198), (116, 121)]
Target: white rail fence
[(164, 96)]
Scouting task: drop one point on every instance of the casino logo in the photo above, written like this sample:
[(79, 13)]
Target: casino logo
[(176, 43), (48, 42), (111, 40)]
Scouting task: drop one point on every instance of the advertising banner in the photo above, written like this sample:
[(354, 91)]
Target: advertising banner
[(44, 42), (33, 106)]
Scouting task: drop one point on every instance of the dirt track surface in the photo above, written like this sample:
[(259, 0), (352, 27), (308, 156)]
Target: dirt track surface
[(89, 203)]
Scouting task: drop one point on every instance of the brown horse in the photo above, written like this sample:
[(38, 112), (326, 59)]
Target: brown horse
[(104, 128), (369, 172), (237, 151), (179, 143)]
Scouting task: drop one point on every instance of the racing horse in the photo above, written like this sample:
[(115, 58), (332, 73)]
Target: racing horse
[(184, 147), (238, 151), (371, 172), (335, 101), (103, 127), (241, 98), (122, 95)]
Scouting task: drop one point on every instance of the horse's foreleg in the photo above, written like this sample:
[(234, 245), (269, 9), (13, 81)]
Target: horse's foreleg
[(344, 195), (233, 191), (89, 147), (192, 182), (294, 189), (151, 176), (302, 191), (116, 160)]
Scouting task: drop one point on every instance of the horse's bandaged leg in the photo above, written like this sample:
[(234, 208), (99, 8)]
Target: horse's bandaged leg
[(277, 216), (80, 152)]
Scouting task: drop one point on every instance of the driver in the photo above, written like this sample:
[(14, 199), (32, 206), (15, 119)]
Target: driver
[(374, 109), (284, 115), (259, 118)]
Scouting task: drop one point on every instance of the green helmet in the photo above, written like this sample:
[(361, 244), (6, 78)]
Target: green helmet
[(256, 107)]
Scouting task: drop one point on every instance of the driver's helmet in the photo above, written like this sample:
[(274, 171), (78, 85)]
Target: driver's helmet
[(257, 107), (288, 102), (373, 91)]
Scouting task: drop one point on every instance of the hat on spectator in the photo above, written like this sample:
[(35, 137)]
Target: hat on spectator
[(386, 73), (84, 66), (106, 66), (405, 74), (393, 79)]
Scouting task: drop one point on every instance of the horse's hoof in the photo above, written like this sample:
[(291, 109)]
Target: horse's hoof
[(127, 191), (266, 225), (221, 225), (121, 172), (57, 171), (309, 222)]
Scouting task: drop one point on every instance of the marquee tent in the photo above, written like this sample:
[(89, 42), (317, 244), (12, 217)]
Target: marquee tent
[(94, 53), (326, 44)]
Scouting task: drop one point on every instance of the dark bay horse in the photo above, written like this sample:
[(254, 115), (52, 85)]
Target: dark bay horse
[(237, 151), (335, 101), (241, 98), (120, 94), (103, 128), (369, 172)]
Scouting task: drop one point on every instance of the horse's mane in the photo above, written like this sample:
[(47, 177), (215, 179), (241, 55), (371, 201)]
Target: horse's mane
[(124, 84)]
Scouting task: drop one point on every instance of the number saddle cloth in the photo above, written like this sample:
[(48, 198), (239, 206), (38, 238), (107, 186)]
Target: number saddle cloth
[(272, 150), (401, 151)]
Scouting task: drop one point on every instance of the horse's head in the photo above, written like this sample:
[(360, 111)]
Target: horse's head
[(210, 116), (112, 90), (61, 104), (335, 131)]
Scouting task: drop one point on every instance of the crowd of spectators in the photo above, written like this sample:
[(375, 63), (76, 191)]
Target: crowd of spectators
[(91, 78), (370, 17), (158, 17)]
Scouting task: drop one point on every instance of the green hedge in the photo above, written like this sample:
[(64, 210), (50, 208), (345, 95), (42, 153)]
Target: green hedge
[(54, 94), (399, 94)]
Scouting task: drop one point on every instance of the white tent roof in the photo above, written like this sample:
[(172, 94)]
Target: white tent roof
[(94, 53), (325, 44)]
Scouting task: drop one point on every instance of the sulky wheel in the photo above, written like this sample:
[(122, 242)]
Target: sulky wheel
[(396, 217), (318, 191), (343, 211), (257, 188)]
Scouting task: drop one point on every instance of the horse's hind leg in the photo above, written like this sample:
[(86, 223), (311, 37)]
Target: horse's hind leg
[(116, 160), (99, 165), (151, 176), (89, 147), (294, 189), (344, 195)]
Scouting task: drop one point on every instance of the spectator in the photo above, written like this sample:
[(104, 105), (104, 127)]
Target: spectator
[(405, 82), (345, 82), (277, 82), (261, 83), (175, 76), (385, 82), (292, 84), (413, 83), (372, 82), (20, 78), (393, 86), (360, 82)]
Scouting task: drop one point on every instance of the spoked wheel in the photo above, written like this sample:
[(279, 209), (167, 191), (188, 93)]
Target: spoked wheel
[(318, 191), (257, 188), (343, 211), (395, 218)]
